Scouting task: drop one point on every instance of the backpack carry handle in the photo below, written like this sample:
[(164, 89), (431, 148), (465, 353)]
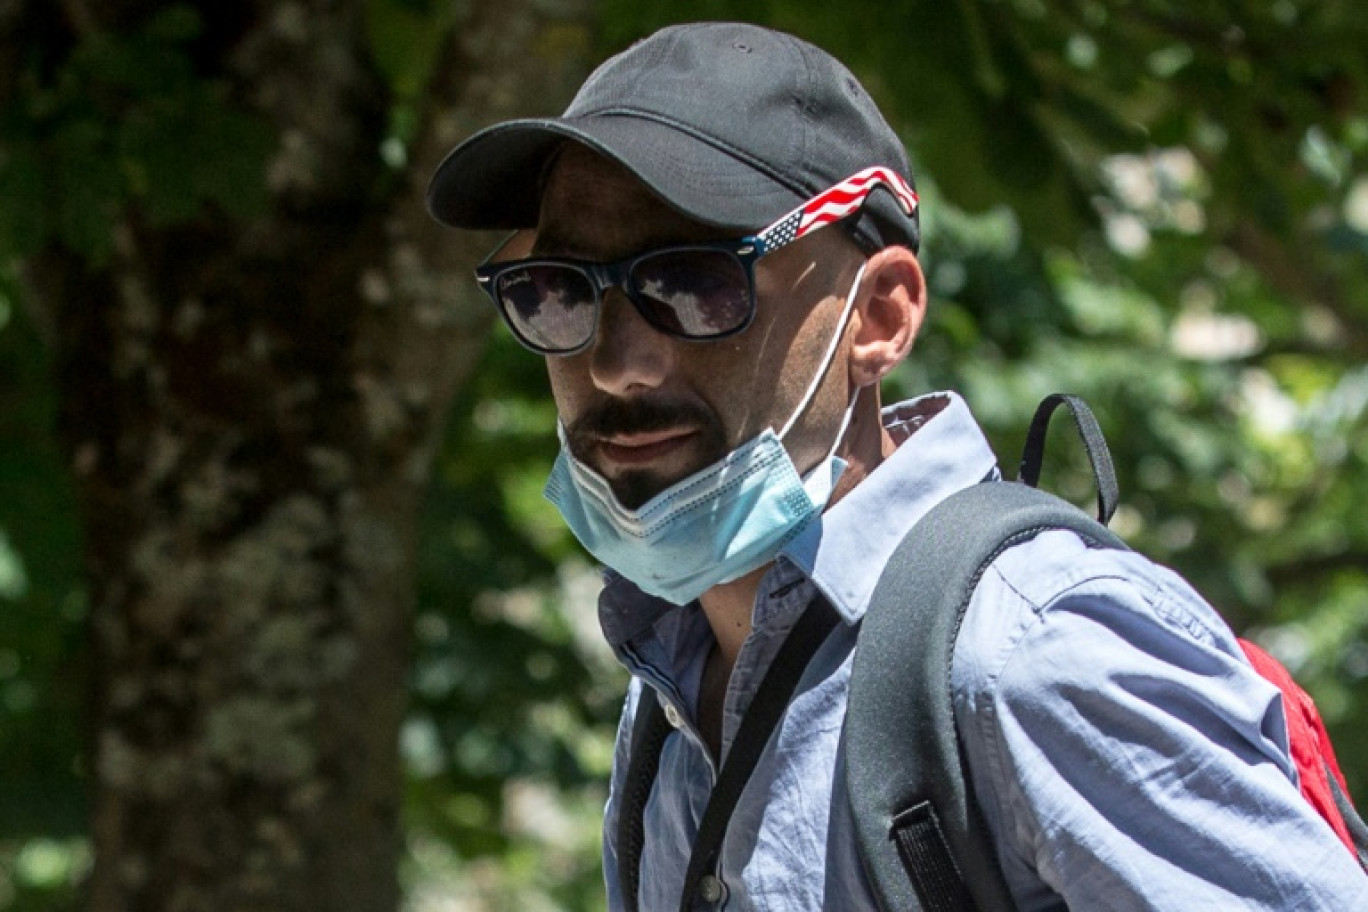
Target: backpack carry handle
[(1104, 473)]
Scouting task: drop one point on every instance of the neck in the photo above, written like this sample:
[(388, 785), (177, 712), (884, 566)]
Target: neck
[(728, 609)]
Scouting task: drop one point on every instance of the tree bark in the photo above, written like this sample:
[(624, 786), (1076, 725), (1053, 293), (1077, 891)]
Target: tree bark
[(251, 409)]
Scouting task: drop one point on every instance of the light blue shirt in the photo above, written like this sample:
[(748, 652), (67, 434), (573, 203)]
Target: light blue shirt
[(1125, 755)]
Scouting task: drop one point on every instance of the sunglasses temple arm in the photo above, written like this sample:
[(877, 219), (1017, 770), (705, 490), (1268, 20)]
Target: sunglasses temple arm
[(835, 204)]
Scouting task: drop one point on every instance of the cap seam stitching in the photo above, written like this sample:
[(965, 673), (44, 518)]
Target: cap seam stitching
[(804, 109)]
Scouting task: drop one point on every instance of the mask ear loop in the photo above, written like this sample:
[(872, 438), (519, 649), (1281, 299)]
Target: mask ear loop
[(845, 424), (826, 364)]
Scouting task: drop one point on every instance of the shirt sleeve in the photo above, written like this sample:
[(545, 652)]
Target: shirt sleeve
[(1125, 754)]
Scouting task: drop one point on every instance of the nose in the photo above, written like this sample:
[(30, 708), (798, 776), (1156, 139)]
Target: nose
[(628, 355)]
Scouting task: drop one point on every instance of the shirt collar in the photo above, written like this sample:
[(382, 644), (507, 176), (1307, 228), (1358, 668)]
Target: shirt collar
[(941, 450)]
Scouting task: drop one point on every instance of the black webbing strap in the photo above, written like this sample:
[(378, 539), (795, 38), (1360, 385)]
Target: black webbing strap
[(1104, 473), (925, 853), (766, 708), (649, 732), (648, 737)]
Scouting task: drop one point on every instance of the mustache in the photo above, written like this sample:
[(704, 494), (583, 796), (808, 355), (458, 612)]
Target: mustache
[(640, 416)]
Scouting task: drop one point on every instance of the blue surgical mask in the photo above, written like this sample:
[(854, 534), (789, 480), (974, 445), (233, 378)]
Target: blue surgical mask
[(714, 526)]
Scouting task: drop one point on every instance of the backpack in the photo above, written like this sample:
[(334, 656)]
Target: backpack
[(920, 835), (923, 840)]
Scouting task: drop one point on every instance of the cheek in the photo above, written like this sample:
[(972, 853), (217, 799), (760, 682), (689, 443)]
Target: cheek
[(740, 384), (570, 385)]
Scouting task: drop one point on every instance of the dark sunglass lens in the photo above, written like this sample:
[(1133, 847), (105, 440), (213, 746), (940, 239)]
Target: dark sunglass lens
[(695, 293), (550, 306)]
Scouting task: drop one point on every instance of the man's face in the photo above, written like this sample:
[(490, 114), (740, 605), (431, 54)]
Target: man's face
[(644, 409)]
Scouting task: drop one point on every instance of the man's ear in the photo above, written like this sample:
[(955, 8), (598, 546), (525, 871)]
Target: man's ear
[(887, 314)]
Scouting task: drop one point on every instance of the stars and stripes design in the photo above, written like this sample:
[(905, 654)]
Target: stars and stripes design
[(835, 204)]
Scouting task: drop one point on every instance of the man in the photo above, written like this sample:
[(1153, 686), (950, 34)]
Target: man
[(716, 254)]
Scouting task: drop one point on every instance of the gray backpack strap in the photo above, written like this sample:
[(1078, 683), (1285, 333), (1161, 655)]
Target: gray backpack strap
[(920, 832), (1358, 829)]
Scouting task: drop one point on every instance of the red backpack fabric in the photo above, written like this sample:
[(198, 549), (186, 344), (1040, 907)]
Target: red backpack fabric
[(1312, 752)]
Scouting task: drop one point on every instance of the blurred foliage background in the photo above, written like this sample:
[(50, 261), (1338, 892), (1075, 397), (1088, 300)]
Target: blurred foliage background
[(1160, 206)]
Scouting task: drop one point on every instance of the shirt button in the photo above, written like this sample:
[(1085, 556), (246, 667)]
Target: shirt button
[(709, 888), (672, 716)]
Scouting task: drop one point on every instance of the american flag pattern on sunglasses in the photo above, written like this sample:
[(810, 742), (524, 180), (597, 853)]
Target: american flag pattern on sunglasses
[(835, 204)]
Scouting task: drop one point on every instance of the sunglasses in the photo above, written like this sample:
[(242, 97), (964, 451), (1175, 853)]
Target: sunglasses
[(689, 291)]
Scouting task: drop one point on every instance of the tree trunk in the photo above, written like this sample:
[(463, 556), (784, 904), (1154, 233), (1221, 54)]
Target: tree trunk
[(251, 409)]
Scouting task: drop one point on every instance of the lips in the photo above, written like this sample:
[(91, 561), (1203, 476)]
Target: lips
[(638, 450)]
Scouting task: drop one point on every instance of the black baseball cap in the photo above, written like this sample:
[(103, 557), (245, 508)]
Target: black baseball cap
[(732, 124)]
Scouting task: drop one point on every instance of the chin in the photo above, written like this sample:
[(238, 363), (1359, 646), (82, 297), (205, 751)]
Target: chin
[(634, 489)]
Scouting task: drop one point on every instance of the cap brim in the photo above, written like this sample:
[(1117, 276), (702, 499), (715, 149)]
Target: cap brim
[(493, 180)]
